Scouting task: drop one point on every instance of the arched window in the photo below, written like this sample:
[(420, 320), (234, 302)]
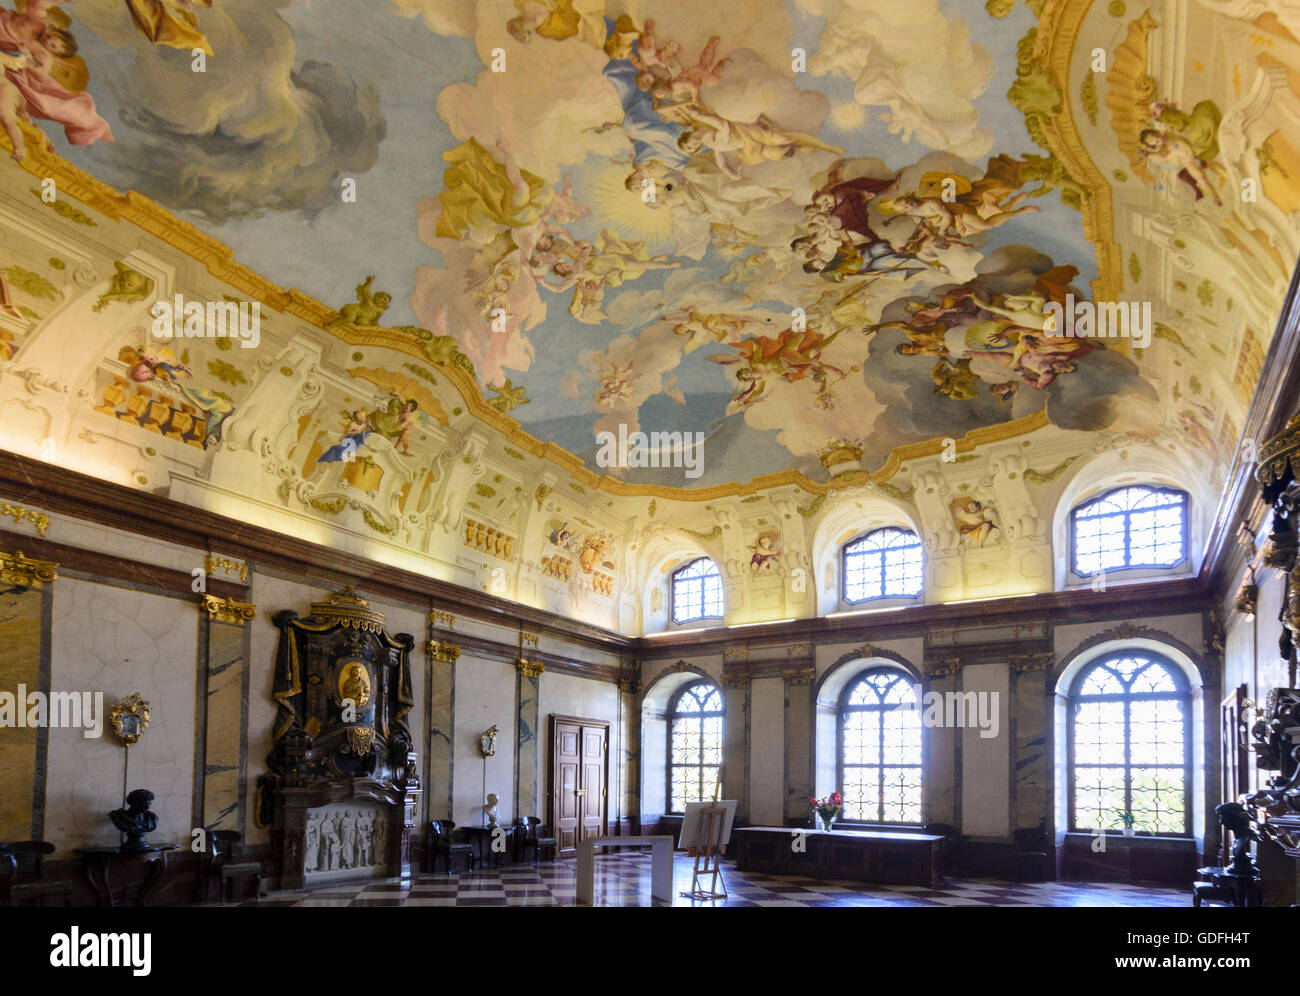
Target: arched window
[(880, 748), (1129, 527), (694, 744), (1130, 744), (885, 563), (697, 591)]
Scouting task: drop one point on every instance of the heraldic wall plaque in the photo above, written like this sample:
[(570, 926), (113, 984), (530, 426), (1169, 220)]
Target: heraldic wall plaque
[(343, 748)]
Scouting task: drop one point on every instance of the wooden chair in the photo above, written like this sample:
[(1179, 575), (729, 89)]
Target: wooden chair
[(444, 840), (531, 834), (1032, 852), (223, 865), (22, 877)]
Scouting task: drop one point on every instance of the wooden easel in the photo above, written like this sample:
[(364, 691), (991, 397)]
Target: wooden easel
[(708, 856)]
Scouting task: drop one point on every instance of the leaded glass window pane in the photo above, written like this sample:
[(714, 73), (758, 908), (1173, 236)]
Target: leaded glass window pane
[(880, 748), (1130, 527), (697, 591), (1129, 718), (694, 744), (886, 563)]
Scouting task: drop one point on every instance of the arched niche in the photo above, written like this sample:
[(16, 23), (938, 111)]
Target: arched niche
[(660, 558), (847, 520), (1149, 465)]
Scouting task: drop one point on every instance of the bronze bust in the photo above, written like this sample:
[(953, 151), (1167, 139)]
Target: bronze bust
[(135, 820)]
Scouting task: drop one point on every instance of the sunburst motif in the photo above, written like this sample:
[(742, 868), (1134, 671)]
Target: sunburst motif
[(604, 190)]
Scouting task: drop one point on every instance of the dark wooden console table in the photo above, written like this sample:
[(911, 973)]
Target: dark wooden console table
[(483, 837), (866, 856), (96, 862)]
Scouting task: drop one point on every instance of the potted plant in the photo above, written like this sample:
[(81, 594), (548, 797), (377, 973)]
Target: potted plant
[(828, 810), (1129, 822)]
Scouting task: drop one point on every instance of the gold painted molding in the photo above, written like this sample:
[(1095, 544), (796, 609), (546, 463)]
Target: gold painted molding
[(26, 572), (440, 618), (529, 669), (804, 675), (227, 610), (211, 563), (1022, 663), (440, 650), (1058, 32), (18, 513), (943, 667)]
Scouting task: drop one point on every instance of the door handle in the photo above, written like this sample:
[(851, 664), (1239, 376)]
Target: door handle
[(581, 792)]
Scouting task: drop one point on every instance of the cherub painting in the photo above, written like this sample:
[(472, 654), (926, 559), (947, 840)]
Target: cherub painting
[(44, 77), (973, 519), (764, 552), (397, 421)]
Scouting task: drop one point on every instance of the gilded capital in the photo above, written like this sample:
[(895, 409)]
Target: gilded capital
[(1030, 662), (799, 675), (441, 650), (24, 571), (942, 667), (529, 669), (227, 610)]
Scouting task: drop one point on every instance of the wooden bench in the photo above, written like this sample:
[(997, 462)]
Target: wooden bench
[(881, 856)]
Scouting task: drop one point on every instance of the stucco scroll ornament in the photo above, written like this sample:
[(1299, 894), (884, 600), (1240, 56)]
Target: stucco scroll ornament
[(487, 741)]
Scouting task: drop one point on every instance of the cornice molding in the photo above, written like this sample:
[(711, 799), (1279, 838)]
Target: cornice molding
[(1179, 596), (89, 499)]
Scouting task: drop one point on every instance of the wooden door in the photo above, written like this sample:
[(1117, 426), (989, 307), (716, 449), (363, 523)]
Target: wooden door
[(579, 780), (566, 783), (593, 782)]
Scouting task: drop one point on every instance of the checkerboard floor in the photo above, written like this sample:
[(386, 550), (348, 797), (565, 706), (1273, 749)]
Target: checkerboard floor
[(623, 879)]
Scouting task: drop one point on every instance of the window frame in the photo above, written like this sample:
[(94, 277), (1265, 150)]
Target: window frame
[(1185, 538), (671, 716), (844, 566), (1183, 694), (672, 593), (842, 708)]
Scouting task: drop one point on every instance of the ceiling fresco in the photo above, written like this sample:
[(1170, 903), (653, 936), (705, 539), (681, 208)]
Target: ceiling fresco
[(811, 232)]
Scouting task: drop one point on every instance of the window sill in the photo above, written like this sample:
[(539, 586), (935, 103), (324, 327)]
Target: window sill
[(1137, 840)]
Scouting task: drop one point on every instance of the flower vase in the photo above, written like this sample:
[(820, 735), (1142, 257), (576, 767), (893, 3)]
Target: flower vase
[(1129, 831), (828, 823)]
